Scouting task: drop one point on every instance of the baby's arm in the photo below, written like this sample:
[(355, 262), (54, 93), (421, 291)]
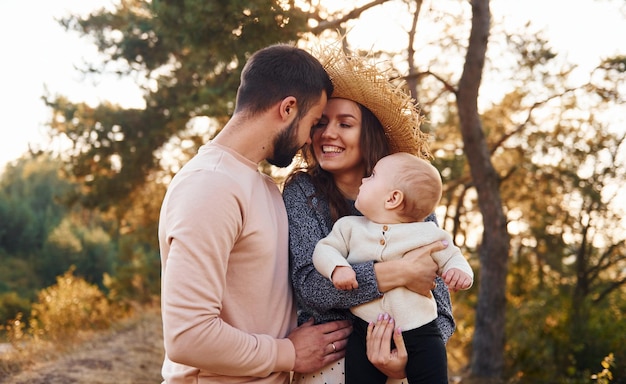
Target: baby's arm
[(457, 279), (331, 253), (455, 271), (344, 278)]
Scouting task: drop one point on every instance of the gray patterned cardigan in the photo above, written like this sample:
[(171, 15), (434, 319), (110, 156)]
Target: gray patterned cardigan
[(309, 221)]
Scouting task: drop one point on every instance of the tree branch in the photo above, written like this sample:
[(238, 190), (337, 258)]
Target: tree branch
[(522, 125), (613, 286), (336, 23), (419, 75)]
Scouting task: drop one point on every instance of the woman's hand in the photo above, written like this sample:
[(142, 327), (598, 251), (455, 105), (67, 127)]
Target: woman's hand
[(416, 270), (390, 362), (422, 267)]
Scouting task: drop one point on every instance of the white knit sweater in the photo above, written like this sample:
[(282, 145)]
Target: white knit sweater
[(355, 239)]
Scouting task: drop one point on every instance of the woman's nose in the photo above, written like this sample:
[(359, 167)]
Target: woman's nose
[(330, 130)]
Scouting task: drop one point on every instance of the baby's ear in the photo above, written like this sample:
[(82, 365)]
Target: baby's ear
[(395, 199)]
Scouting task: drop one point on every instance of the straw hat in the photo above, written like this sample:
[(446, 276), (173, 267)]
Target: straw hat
[(355, 79)]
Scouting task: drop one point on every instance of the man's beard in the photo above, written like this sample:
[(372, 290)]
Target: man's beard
[(285, 146)]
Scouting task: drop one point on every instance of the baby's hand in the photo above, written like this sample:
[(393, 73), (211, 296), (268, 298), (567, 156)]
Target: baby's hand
[(456, 279), (344, 278)]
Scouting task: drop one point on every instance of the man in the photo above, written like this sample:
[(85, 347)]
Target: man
[(227, 303)]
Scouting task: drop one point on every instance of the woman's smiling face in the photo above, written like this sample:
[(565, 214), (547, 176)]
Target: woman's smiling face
[(336, 139)]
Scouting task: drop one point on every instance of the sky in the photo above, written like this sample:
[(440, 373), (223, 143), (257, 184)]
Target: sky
[(39, 56)]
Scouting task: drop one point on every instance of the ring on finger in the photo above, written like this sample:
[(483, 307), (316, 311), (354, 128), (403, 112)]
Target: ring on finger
[(334, 348)]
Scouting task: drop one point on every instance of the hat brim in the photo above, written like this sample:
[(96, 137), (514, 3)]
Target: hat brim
[(357, 80)]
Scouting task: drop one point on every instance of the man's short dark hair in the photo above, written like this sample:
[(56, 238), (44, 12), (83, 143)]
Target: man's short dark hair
[(279, 71)]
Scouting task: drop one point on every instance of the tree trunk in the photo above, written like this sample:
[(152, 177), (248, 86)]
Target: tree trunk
[(488, 343)]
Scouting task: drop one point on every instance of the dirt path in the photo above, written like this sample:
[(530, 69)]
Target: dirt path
[(131, 354)]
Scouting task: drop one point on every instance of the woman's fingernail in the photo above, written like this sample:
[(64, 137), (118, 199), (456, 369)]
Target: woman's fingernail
[(380, 316), (444, 242)]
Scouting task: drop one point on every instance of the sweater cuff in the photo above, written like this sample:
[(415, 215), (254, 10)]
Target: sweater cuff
[(286, 356), (367, 279)]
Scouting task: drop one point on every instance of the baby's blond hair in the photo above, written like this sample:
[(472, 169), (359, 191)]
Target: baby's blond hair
[(420, 182)]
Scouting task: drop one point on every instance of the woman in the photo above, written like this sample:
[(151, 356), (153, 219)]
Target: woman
[(365, 119)]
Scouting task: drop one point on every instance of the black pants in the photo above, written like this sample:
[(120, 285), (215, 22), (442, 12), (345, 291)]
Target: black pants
[(428, 363)]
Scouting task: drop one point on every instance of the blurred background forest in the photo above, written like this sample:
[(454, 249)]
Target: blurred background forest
[(534, 177)]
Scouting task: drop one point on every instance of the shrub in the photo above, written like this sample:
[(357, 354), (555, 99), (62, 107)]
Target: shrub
[(69, 306), (11, 306)]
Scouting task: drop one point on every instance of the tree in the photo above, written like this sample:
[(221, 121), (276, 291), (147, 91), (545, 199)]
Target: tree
[(489, 338), (30, 196), (572, 237), (189, 55), (43, 234), (489, 341)]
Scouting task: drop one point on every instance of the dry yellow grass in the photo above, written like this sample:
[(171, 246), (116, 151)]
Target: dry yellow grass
[(130, 352)]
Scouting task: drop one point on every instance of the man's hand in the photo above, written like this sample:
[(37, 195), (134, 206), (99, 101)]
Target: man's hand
[(390, 362), (319, 345), (344, 278)]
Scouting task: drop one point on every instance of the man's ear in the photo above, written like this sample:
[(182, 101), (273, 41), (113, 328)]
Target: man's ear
[(394, 199), (288, 108)]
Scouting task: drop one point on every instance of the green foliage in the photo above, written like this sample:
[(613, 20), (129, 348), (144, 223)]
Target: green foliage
[(41, 226), (19, 227), (17, 274), (30, 203), (567, 281), (605, 376), (83, 244), (42, 303), (137, 278), (192, 51), (541, 345), (51, 235)]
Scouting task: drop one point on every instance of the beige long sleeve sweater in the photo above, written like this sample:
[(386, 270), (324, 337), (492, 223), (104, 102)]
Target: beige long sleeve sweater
[(227, 303)]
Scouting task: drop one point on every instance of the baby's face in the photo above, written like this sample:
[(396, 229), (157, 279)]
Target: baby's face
[(374, 189)]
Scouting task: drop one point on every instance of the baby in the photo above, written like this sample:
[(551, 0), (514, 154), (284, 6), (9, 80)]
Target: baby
[(401, 192)]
